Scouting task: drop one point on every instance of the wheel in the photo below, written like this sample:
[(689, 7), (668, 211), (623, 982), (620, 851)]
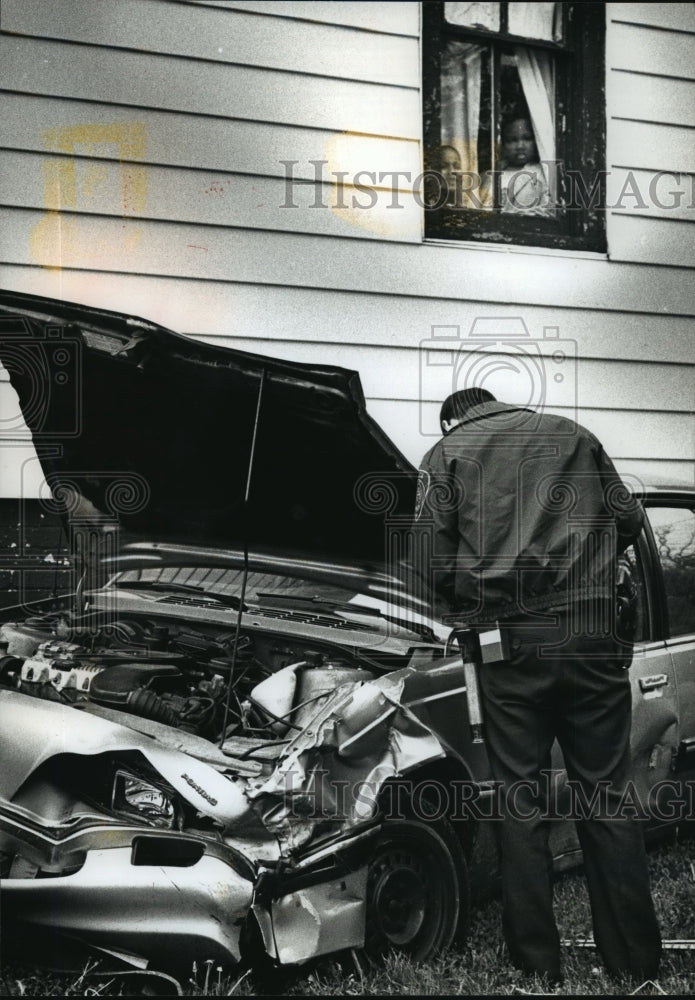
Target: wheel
[(416, 887)]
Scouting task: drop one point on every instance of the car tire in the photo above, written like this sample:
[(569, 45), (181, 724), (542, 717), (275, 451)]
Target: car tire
[(417, 889)]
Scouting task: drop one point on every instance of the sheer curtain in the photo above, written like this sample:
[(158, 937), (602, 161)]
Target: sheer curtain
[(460, 110), (536, 75)]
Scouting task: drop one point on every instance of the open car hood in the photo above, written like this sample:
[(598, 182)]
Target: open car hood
[(164, 433)]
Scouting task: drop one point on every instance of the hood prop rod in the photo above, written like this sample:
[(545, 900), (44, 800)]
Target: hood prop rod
[(245, 572)]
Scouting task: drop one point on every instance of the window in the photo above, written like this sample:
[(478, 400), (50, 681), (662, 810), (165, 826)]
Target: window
[(674, 533), (631, 597), (514, 123)]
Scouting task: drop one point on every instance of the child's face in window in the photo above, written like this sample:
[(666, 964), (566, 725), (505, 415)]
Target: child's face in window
[(518, 143), (449, 162)]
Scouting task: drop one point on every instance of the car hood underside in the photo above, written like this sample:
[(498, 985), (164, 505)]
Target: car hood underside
[(183, 441)]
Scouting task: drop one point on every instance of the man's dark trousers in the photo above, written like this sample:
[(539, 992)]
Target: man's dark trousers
[(573, 688)]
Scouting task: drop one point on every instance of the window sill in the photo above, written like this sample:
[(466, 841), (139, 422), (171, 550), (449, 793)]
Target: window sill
[(516, 248)]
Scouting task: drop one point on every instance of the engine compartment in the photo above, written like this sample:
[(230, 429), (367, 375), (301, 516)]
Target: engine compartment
[(188, 677)]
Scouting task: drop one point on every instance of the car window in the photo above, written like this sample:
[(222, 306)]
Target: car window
[(632, 602), (674, 532)]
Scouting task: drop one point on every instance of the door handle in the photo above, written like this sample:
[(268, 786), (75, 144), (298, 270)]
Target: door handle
[(653, 682)]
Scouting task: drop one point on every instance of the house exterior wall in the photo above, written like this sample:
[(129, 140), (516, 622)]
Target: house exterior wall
[(146, 148)]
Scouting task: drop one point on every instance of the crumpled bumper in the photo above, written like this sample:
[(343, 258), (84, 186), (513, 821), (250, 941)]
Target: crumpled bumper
[(158, 910)]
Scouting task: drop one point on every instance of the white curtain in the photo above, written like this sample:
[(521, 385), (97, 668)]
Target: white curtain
[(460, 107), (536, 75)]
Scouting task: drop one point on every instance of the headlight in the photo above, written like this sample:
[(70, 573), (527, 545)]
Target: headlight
[(132, 796)]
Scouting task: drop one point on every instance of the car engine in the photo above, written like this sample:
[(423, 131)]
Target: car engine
[(176, 674)]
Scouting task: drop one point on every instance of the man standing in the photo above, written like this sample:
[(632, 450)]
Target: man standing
[(526, 516)]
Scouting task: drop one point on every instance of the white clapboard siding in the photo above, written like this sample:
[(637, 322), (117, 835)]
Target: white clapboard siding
[(142, 79), (643, 97), (656, 472), (169, 138), (645, 49), (226, 200), (177, 249), (678, 16), (266, 315), (665, 241), (235, 36), (402, 18), (652, 146), (651, 193), (650, 92)]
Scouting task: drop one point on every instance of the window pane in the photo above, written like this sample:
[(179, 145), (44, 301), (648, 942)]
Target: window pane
[(465, 108), (524, 181), (674, 531), (536, 20), (476, 15), (497, 143)]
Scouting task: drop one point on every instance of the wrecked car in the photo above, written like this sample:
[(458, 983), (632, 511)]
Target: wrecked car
[(238, 735)]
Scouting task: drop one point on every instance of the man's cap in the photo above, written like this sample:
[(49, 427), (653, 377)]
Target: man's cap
[(458, 403)]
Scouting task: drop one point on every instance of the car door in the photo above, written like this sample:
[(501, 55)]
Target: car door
[(655, 732), (672, 523)]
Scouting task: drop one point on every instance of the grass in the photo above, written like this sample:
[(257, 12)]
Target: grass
[(478, 968)]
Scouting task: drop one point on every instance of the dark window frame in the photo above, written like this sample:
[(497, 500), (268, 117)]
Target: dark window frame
[(581, 150)]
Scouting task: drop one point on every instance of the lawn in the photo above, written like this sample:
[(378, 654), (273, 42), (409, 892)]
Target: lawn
[(478, 968)]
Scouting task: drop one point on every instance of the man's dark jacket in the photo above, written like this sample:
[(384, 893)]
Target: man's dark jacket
[(520, 512)]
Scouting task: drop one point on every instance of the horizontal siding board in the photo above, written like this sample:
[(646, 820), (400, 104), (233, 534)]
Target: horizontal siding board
[(653, 194), (319, 319), (220, 36), (658, 472), (625, 435), (654, 241), (402, 18), (678, 16), (174, 249), (641, 97), (234, 200), (649, 146), (34, 122), (156, 81), (647, 50)]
